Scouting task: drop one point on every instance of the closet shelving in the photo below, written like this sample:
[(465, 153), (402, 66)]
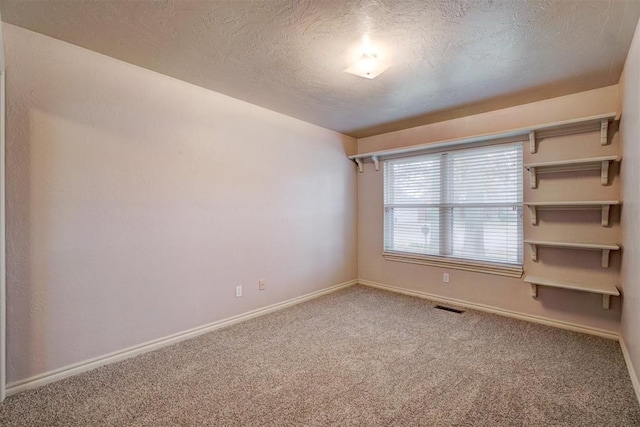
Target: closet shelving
[(603, 205)]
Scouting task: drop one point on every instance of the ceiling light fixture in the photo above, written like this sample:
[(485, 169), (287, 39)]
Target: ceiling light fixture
[(369, 65)]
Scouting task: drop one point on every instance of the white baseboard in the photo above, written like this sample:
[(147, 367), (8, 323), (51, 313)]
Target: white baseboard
[(87, 365), (632, 372), (495, 310)]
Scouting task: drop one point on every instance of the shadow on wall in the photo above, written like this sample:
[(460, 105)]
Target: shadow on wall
[(22, 332)]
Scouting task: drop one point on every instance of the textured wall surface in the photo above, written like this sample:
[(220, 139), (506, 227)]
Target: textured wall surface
[(497, 291), (289, 56), (630, 133), (137, 202)]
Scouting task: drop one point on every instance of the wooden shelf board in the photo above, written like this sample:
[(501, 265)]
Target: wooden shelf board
[(575, 204), (593, 163), (604, 206), (605, 248), (572, 162), (599, 288), (604, 289), (574, 245)]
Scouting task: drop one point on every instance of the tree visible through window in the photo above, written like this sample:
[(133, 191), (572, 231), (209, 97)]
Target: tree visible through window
[(464, 204)]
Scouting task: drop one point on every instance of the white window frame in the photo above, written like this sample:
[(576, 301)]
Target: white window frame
[(445, 259)]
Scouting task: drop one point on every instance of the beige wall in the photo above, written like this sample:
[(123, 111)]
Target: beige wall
[(630, 134), (137, 202), (550, 110), (496, 291)]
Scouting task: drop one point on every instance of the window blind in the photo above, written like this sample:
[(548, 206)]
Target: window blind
[(464, 204)]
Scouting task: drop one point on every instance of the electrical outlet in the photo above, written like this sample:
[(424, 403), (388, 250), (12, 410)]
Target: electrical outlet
[(445, 277), (261, 285), (238, 291)]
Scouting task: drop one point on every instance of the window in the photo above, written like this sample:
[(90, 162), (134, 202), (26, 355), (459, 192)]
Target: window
[(460, 208)]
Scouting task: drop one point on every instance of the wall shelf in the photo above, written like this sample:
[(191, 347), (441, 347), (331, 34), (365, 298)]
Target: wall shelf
[(531, 134), (594, 163), (586, 124), (604, 206), (605, 248), (604, 289), (601, 164)]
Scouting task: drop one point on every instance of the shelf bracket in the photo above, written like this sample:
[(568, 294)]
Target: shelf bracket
[(604, 129), (360, 164), (604, 172), (533, 178), (532, 142), (534, 290), (534, 215), (606, 301), (605, 215), (376, 162), (534, 252), (605, 258)]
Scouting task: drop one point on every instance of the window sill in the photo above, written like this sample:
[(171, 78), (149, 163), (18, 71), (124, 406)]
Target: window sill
[(477, 267)]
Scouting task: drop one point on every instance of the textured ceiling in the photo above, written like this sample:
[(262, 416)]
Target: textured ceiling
[(450, 58)]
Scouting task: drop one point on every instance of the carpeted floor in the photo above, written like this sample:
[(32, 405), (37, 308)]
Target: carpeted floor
[(359, 356)]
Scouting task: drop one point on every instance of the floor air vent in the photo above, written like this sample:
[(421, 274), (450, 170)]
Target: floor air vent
[(453, 310)]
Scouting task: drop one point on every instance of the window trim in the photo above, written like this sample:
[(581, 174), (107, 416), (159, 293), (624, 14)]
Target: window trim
[(456, 264), (450, 262)]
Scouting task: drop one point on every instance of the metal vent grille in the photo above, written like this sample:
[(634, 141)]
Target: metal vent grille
[(453, 310)]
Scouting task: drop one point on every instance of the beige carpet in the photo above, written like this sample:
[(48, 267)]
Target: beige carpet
[(356, 357)]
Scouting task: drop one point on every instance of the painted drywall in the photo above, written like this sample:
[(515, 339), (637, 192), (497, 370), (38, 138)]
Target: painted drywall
[(496, 291), (630, 174), (137, 202)]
